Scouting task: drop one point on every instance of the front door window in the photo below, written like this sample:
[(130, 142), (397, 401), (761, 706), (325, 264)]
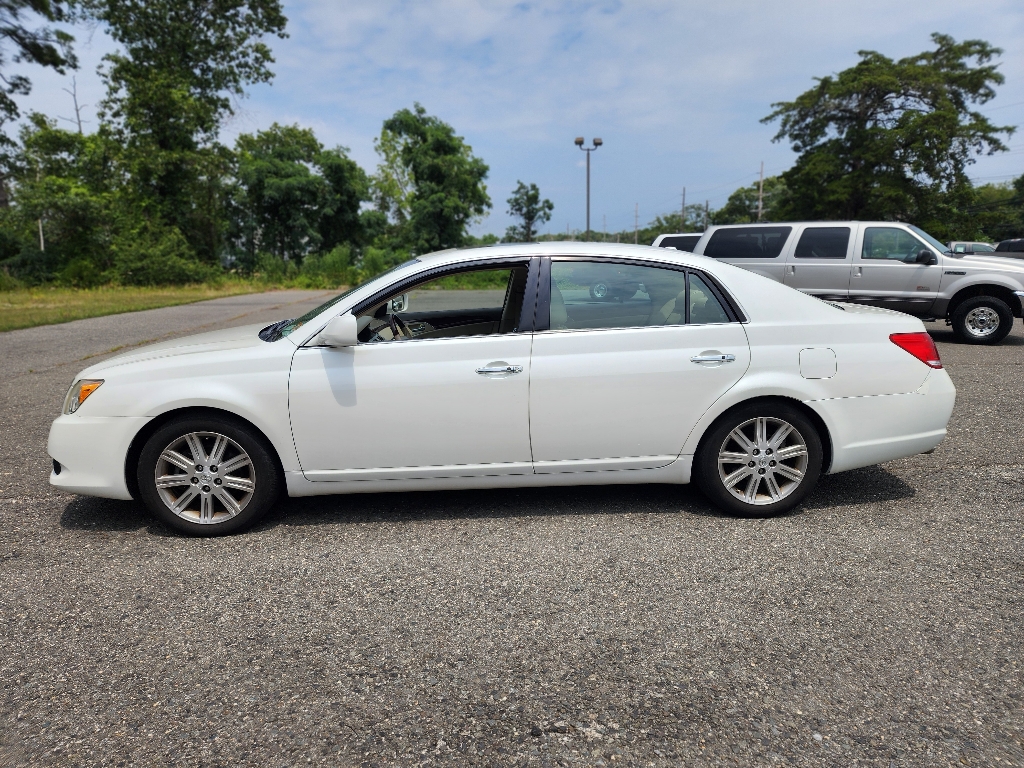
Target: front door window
[(477, 302)]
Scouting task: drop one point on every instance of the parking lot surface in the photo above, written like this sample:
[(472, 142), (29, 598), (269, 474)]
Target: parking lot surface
[(880, 624)]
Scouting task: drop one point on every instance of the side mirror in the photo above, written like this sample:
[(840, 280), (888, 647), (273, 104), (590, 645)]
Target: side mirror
[(342, 331), (926, 257), (399, 304)]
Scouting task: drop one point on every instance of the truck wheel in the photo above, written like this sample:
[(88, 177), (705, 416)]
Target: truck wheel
[(982, 320)]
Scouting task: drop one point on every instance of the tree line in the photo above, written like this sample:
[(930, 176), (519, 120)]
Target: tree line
[(885, 139), (152, 195)]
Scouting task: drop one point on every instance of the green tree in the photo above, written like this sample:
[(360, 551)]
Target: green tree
[(526, 205), (429, 182), (292, 196), (889, 139), (169, 89), (742, 205), (44, 45), (998, 210), (60, 224)]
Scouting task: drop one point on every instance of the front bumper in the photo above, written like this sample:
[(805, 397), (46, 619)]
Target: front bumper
[(91, 452), (869, 430)]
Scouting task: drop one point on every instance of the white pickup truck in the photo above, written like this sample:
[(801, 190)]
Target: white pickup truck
[(881, 263)]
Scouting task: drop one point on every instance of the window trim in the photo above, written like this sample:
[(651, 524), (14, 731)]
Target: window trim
[(543, 312)]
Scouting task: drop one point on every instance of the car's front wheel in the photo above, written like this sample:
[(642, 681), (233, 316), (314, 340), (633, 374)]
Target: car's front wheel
[(982, 320), (759, 460), (207, 475)]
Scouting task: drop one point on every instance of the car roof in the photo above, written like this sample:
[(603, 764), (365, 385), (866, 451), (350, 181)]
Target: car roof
[(845, 223), (561, 248)]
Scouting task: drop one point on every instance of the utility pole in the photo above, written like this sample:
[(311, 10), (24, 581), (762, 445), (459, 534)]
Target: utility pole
[(760, 193), (707, 209), (588, 150), (604, 227), (682, 212), (636, 224), (42, 242)]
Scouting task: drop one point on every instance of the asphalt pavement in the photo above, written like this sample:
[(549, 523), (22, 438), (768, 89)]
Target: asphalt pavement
[(878, 625)]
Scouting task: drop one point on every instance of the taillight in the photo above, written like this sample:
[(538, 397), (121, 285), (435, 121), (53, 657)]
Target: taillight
[(920, 345)]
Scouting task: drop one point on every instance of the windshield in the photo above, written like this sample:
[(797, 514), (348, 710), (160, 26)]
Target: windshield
[(294, 325), (940, 247)]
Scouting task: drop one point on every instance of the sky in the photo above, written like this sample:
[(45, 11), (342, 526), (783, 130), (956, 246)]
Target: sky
[(676, 89)]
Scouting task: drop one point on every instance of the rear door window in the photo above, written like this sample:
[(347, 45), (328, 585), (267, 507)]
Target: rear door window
[(823, 243), (596, 295), (748, 243)]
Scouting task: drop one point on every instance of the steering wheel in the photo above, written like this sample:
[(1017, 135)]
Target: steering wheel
[(398, 327)]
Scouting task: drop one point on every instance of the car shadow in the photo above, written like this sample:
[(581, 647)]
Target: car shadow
[(86, 513), (862, 486)]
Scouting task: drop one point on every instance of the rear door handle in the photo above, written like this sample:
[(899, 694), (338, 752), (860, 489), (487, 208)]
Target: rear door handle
[(713, 359), (499, 369)]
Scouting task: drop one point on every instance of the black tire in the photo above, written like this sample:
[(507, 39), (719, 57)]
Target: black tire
[(208, 487), (972, 320), (718, 441)]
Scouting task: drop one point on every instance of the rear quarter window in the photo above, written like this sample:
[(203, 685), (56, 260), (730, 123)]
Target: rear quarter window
[(747, 243)]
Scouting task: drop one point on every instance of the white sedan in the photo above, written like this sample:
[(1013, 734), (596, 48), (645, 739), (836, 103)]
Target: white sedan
[(679, 367)]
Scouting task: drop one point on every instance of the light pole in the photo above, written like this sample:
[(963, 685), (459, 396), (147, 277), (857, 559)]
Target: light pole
[(588, 150)]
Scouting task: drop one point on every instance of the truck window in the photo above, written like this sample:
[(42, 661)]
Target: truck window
[(681, 242), (823, 243), (890, 243), (748, 243)]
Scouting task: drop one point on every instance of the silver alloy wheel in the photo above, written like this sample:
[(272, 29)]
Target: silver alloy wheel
[(205, 477), (981, 322), (599, 291), (763, 460)]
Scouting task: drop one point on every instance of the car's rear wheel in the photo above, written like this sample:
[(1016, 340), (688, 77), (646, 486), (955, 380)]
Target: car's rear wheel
[(982, 320), (207, 475), (759, 460)]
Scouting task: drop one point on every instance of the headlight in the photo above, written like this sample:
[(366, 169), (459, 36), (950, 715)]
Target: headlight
[(79, 392)]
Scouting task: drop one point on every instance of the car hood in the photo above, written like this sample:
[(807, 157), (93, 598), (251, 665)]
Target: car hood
[(995, 262), (223, 340)]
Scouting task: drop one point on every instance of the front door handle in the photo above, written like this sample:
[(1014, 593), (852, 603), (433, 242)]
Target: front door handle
[(713, 359), (499, 368)]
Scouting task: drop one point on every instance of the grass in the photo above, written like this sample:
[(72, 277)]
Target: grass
[(28, 307)]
